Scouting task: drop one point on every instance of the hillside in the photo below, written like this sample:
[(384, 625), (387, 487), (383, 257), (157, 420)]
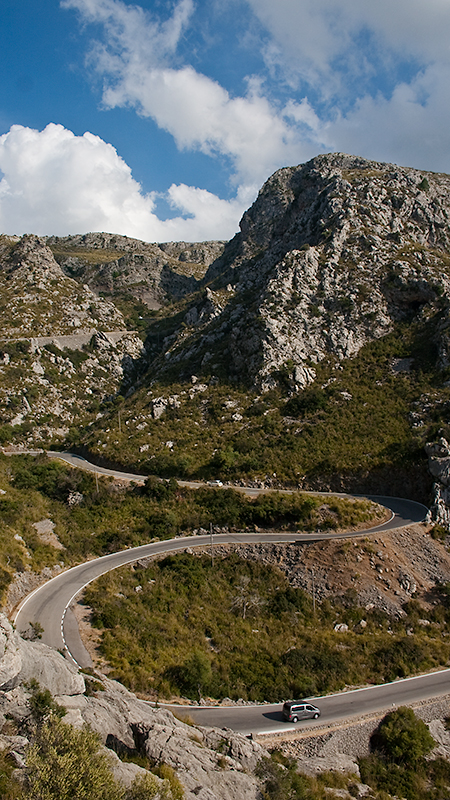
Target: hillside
[(331, 255), (312, 349)]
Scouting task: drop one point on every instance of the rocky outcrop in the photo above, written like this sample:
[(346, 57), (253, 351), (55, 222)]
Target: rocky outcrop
[(62, 332), (439, 465), (22, 661), (152, 273), (211, 764), (61, 386), (39, 299), (330, 256), (70, 347)]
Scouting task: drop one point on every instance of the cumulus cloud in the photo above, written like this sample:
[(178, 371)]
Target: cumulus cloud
[(57, 183)]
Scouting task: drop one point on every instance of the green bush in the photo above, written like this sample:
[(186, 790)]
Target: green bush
[(281, 780), (397, 763), (307, 402), (64, 763), (403, 738), (439, 533), (146, 787), (10, 789), (68, 764), (42, 704), (166, 773), (6, 433), (424, 185)]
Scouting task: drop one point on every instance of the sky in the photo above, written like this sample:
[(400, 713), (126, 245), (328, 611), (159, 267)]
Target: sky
[(162, 120)]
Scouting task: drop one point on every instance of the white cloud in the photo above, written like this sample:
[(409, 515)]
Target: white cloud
[(304, 114), (198, 112), (311, 35), (380, 70), (410, 128), (57, 183), (352, 55), (133, 33), (201, 115)]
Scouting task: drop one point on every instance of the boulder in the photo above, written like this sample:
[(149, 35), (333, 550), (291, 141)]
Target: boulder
[(22, 661), (125, 771), (336, 762)]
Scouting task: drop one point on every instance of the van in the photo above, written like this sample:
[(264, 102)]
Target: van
[(293, 710)]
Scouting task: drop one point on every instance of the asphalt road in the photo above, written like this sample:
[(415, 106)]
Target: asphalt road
[(50, 606), (373, 699)]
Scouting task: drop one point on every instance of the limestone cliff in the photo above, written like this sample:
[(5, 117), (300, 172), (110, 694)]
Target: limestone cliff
[(150, 273), (331, 254)]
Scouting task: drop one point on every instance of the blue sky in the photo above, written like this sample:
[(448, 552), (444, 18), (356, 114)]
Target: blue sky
[(162, 120)]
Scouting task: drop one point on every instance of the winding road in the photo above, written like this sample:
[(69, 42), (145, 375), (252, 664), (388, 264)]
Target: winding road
[(49, 605)]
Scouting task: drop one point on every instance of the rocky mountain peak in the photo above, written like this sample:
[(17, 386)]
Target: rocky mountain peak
[(330, 255), (32, 259), (318, 202)]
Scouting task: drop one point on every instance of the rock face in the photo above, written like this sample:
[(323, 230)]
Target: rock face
[(64, 335), (211, 764), (439, 465), (38, 299), (70, 346), (152, 273), (329, 256), (22, 661)]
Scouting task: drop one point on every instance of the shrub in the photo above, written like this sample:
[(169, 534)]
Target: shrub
[(6, 433), (307, 402), (146, 787), (42, 704), (166, 772), (281, 779), (403, 738), (439, 533), (195, 675), (10, 789), (64, 763)]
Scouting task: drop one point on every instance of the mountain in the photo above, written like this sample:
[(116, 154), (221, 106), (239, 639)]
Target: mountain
[(312, 351), (150, 273), (330, 256), (66, 309), (313, 348)]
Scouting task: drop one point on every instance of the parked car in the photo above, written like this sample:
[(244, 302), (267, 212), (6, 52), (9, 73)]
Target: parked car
[(293, 710)]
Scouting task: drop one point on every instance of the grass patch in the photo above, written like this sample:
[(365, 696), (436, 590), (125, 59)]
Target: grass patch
[(182, 626)]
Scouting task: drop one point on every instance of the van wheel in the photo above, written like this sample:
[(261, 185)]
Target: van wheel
[(294, 719), (316, 716)]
